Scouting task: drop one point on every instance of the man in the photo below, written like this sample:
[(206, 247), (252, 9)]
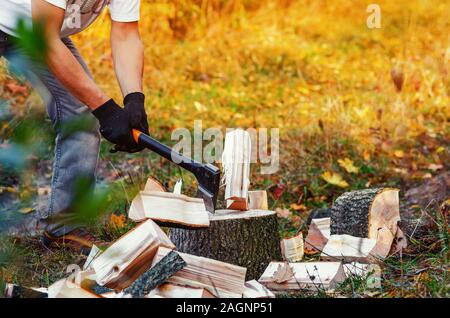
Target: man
[(73, 92)]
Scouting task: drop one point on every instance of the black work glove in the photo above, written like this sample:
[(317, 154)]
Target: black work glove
[(115, 126), (134, 107)]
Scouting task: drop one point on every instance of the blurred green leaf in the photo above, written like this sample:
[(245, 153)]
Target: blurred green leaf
[(31, 39)]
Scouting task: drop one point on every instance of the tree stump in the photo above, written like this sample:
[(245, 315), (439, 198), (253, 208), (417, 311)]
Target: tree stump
[(245, 238)]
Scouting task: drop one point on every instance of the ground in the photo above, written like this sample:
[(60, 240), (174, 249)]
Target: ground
[(356, 108)]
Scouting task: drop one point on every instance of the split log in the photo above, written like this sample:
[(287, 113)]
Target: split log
[(130, 256), (318, 235), (169, 209), (236, 158), (155, 276), (15, 291), (292, 248), (249, 239), (154, 185), (257, 200), (66, 288), (350, 248), (370, 213), (219, 278), (370, 272), (175, 291), (253, 289), (307, 276)]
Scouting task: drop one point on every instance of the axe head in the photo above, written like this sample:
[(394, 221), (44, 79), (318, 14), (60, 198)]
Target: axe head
[(208, 178)]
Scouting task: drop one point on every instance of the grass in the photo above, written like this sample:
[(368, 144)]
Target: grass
[(310, 68)]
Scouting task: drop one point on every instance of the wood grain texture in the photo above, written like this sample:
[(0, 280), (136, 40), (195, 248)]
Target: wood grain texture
[(169, 209), (318, 234), (249, 239), (236, 159), (130, 256), (309, 276), (219, 278), (350, 248), (292, 248)]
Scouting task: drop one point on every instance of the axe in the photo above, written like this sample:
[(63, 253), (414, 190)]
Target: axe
[(207, 175)]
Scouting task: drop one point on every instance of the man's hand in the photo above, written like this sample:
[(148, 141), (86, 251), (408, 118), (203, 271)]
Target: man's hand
[(134, 106), (115, 126)]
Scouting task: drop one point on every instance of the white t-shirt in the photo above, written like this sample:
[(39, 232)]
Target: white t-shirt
[(79, 13)]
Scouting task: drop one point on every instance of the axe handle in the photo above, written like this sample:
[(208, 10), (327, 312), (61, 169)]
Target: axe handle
[(165, 151)]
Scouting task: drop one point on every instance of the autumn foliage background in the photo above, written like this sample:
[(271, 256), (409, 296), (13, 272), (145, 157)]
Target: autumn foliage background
[(356, 107)]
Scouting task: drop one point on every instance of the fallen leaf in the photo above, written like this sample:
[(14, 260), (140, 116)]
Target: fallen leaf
[(279, 190), (298, 207), (283, 273), (435, 167), (440, 149), (399, 153), (397, 77), (334, 179), (348, 165)]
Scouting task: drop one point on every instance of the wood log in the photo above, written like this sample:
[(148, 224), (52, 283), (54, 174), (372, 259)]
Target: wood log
[(318, 235), (249, 239), (136, 211), (257, 200), (370, 213), (16, 291), (219, 278), (155, 276), (308, 276), (292, 248), (254, 289), (236, 158), (169, 209), (175, 291), (130, 256), (350, 249)]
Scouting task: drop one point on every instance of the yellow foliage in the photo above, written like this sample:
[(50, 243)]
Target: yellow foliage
[(348, 165), (334, 179)]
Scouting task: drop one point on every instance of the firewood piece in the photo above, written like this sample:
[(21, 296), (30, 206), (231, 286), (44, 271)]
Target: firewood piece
[(318, 235), (155, 276), (65, 288), (258, 200), (93, 254), (130, 256), (309, 276), (115, 295), (350, 248), (154, 185), (236, 167), (371, 272), (292, 248), (170, 209), (136, 211), (16, 291), (175, 291), (370, 213), (253, 289), (249, 239), (219, 278)]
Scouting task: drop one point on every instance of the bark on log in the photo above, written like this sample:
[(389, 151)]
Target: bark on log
[(370, 213), (155, 276), (357, 213), (249, 239)]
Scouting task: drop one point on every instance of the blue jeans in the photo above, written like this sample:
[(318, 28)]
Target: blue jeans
[(75, 154)]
